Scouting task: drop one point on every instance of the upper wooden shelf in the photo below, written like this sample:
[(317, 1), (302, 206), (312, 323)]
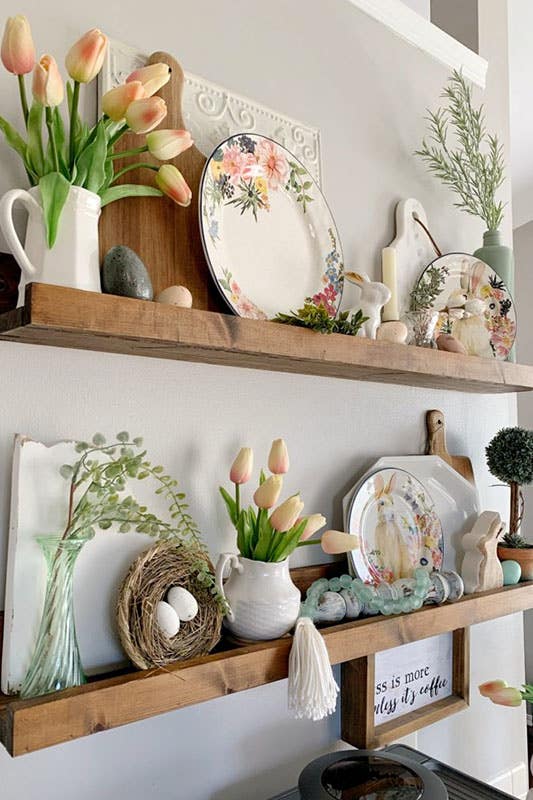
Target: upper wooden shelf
[(28, 725), (71, 318)]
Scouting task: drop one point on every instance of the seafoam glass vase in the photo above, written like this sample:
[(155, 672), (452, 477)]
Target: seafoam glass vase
[(56, 663)]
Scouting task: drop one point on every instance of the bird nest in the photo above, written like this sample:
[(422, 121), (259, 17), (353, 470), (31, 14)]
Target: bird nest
[(149, 578)]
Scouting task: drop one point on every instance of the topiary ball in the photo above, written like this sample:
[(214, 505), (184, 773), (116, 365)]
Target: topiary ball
[(510, 455)]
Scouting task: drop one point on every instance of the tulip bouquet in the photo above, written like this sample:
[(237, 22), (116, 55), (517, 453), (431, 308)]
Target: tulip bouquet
[(76, 154), (259, 536)]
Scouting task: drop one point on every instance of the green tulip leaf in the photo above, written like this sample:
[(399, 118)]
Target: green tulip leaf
[(128, 190), (35, 152), (13, 138), (54, 189)]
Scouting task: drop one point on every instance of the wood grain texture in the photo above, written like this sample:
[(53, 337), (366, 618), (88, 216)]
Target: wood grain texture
[(436, 432), (165, 236), (63, 317), (358, 682), (27, 725)]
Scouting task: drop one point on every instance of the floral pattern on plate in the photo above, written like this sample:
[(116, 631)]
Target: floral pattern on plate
[(398, 526), (245, 173)]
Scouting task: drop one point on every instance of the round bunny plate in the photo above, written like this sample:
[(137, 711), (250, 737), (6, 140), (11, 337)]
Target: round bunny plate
[(267, 232), (474, 305), (398, 527)]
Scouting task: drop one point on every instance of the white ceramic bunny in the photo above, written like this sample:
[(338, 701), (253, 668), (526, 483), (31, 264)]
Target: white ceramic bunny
[(373, 296), (388, 536)]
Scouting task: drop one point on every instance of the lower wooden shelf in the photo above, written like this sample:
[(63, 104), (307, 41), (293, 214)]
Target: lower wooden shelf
[(28, 725)]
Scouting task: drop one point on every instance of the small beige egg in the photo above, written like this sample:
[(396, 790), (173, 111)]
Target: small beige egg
[(167, 619), (392, 331), (175, 296), (183, 602)]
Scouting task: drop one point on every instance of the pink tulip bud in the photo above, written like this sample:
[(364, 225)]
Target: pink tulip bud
[(241, 469), (144, 115), (313, 524), (116, 101), (334, 542), (278, 460), (47, 87), (508, 696), (18, 51), (489, 687), (168, 144), (285, 515), (268, 493), (153, 77), (172, 183), (85, 58)]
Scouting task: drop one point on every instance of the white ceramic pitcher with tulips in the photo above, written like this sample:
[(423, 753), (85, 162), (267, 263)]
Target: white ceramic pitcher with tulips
[(71, 167)]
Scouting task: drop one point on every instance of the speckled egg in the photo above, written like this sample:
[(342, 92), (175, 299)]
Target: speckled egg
[(175, 296), (183, 602), (167, 619)]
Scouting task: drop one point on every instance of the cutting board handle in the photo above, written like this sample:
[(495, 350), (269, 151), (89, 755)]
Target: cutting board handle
[(172, 93)]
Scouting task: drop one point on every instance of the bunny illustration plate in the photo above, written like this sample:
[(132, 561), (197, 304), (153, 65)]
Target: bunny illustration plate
[(268, 235), (474, 305), (398, 526)]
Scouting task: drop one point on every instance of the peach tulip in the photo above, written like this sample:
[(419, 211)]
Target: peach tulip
[(313, 524), (47, 84), (267, 494), (241, 469), (334, 542), (284, 516), (172, 183), (168, 144), (278, 459), (501, 694), (489, 687), (18, 50), (116, 102), (85, 58), (145, 114), (153, 77)]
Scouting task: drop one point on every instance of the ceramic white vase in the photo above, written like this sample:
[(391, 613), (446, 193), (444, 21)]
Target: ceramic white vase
[(73, 260), (263, 601)]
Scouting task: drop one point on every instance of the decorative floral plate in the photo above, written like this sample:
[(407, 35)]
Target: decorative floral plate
[(474, 305), (268, 234), (398, 527)]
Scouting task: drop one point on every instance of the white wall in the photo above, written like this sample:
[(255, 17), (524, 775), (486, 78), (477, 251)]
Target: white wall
[(521, 72), (367, 91), (421, 7)]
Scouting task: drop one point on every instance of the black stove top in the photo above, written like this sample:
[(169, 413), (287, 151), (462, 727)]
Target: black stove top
[(458, 785)]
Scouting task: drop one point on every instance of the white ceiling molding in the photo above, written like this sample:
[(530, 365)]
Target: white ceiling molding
[(421, 33)]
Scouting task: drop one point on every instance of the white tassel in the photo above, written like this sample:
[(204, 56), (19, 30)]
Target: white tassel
[(312, 687)]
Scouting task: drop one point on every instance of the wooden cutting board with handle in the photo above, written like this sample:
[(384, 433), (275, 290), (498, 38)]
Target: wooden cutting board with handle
[(165, 236), (436, 432)]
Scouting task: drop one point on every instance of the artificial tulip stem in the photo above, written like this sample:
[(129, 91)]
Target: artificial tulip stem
[(238, 499), (51, 134), (23, 98), (308, 542), (116, 136), (134, 152), (73, 118), (133, 166)]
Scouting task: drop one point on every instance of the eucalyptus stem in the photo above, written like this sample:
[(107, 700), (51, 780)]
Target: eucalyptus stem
[(73, 122), (23, 98), (51, 134), (141, 165)]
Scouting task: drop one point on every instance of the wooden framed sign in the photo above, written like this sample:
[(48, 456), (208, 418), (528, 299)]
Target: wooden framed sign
[(396, 692)]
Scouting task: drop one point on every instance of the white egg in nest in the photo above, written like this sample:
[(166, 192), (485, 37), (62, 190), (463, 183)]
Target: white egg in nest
[(167, 619), (183, 602)]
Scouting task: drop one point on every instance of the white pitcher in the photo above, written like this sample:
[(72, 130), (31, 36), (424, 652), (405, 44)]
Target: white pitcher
[(73, 260), (263, 601)]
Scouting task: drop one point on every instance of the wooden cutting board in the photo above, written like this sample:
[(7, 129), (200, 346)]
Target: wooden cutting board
[(436, 432), (165, 236)]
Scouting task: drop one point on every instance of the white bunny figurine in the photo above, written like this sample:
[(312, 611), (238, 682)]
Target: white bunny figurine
[(373, 296), (388, 536)]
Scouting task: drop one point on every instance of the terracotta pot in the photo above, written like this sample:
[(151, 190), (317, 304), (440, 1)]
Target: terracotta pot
[(524, 556)]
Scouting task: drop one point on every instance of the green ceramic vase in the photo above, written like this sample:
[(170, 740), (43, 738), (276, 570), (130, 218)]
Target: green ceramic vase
[(498, 256)]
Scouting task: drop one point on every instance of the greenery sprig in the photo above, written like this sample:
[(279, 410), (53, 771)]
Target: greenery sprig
[(318, 319), (428, 288), (474, 169)]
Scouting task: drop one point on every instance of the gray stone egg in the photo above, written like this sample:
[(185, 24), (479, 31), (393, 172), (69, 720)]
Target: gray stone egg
[(353, 606), (124, 273)]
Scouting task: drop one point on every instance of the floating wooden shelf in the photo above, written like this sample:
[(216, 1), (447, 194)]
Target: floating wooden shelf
[(70, 318), (28, 725)]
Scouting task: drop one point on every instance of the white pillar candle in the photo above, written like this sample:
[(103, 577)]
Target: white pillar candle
[(388, 273)]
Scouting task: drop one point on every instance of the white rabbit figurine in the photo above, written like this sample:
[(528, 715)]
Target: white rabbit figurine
[(388, 537), (373, 296)]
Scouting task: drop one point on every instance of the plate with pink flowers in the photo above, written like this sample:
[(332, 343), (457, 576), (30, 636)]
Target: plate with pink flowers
[(268, 235)]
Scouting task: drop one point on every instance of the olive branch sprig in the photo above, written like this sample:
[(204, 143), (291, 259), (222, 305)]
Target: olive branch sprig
[(475, 169)]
